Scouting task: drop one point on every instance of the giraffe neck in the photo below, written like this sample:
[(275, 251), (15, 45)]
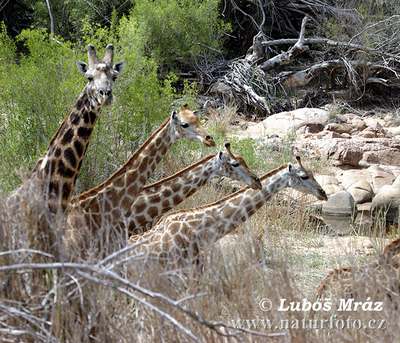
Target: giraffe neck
[(160, 197), (61, 165), (133, 175), (225, 215)]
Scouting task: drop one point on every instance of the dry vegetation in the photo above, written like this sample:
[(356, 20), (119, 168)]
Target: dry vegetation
[(351, 51), (279, 254)]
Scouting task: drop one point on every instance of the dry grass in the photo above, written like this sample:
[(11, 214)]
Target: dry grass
[(279, 254)]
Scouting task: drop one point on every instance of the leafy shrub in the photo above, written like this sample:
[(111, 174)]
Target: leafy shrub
[(178, 31), (35, 93)]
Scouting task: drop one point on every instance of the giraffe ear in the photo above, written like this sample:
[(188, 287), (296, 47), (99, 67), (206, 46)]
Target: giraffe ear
[(82, 67), (174, 115), (118, 67)]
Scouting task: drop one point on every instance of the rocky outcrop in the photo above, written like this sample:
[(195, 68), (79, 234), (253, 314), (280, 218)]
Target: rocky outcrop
[(285, 123), (364, 150)]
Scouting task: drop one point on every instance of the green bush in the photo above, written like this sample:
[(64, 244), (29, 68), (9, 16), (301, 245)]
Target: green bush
[(38, 87), (178, 31), (35, 93)]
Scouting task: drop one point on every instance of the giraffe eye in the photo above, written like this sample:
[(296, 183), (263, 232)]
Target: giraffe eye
[(185, 125), (304, 177), (235, 164)]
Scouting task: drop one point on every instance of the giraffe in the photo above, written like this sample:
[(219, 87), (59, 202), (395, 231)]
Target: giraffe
[(343, 279), (58, 169), (117, 193), (161, 196), (181, 236)]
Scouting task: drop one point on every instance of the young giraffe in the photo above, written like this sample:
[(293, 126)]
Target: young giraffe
[(161, 196), (58, 169), (342, 279), (105, 203), (181, 236)]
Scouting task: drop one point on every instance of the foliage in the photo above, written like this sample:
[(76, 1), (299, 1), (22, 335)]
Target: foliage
[(34, 96), (179, 31)]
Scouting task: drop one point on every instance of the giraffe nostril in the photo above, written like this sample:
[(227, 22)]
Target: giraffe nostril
[(108, 93), (101, 92)]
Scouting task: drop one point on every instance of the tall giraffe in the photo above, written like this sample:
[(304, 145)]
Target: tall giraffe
[(118, 192), (183, 235), (58, 169), (161, 196)]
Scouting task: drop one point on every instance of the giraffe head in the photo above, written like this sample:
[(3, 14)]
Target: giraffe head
[(100, 74), (235, 167), (186, 124), (303, 180)]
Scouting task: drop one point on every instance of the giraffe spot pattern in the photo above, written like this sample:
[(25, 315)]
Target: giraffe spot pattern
[(78, 148), (84, 132), (152, 211), (65, 171), (69, 155), (67, 137), (66, 190)]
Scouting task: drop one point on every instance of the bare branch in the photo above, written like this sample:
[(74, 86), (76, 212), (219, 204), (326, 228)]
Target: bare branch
[(287, 57)]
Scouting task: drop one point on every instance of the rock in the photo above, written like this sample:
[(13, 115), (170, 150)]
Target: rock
[(310, 129), (394, 131), (339, 128), (285, 123), (358, 124), (350, 155), (390, 156), (339, 204), (350, 177), (374, 123), (329, 183), (380, 177), (366, 207), (388, 201), (370, 132), (361, 191)]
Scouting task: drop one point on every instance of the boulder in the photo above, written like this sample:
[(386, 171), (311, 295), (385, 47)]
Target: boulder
[(339, 127), (361, 191), (357, 124), (380, 177), (350, 177), (329, 183), (387, 200), (339, 204), (285, 123)]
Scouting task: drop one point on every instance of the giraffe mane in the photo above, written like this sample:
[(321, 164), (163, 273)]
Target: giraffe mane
[(179, 173), (232, 195), (121, 170)]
